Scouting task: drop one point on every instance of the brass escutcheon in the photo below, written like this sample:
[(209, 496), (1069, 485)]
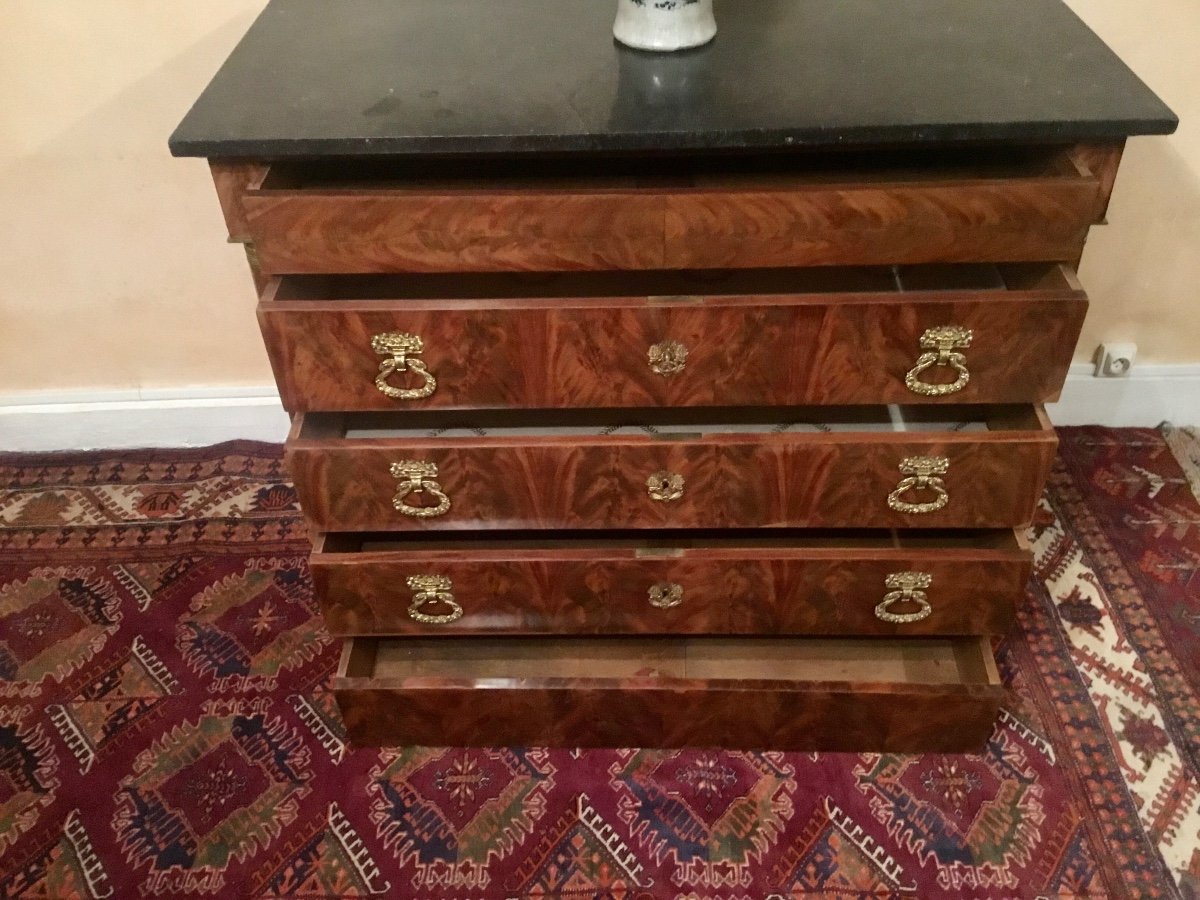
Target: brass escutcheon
[(664, 485), (922, 473), (431, 589), (401, 349), (668, 358), (905, 587), (941, 345), (666, 594), (412, 477)]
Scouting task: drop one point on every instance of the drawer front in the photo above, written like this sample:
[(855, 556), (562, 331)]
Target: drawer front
[(869, 586), (402, 231), (932, 346), (510, 702), (305, 223), (813, 480), (872, 224)]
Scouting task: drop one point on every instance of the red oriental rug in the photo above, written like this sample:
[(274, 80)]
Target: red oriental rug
[(165, 728)]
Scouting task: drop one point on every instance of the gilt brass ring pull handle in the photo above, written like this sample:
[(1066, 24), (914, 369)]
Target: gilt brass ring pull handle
[(432, 589), (906, 587), (415, 477), (922, 475), (666, 594), (400, 350), (941, 346)]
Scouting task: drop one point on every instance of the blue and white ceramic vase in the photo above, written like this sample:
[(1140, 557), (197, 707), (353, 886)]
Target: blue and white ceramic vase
[(664, 25)]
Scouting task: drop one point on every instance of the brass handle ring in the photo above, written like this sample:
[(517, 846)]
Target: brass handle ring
[(922, 474), (941, 346), (906, 587), (400, 349), (666, 594), (432, 589), (414, 477)]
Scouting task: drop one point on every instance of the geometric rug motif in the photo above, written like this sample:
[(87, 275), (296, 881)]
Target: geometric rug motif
[(52, 621), (28, 773), (330, 860), (61, 863), (834, 854), (167, 728), (120, 697), (577, 855), (452, 812), (1119, 565), (713, 814), (976, 820), (250, 625), (209, 792)]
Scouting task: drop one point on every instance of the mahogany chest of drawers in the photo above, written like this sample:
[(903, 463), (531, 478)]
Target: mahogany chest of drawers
[(668, 400)]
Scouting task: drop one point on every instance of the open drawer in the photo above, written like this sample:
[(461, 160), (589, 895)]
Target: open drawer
[(664, 212), (928, 334), (802, 582), (739, 693), (833, 467)]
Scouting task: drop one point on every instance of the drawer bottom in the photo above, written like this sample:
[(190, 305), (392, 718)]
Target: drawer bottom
[(932, 695)]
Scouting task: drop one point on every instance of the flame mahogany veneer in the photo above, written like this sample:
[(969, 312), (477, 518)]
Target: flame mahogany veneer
[(538, 285), (756, 339), (746, 585), (897, 696), (1037, 206), (740, 480)]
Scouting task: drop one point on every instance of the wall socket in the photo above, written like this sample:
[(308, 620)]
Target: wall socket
[(1115, 360)]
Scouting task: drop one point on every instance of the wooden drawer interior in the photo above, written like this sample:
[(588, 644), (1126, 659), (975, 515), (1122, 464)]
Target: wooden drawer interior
[(712, 659), (500, 174), (835, 423), (765, 693), (869, 543), (536, 290)]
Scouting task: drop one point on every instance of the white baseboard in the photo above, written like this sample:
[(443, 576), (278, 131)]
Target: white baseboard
[(1150, 395), (184, 417)]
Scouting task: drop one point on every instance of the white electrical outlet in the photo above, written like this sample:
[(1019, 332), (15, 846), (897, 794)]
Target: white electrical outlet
[(1115, 360)]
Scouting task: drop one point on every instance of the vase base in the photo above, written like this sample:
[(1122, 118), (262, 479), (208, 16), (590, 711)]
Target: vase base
[(664, 30), (663, 48)]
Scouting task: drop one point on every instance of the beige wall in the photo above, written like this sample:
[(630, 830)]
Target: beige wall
[(113, 274), (1142, 270)]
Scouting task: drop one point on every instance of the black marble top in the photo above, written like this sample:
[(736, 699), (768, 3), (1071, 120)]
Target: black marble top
[(380, 77)]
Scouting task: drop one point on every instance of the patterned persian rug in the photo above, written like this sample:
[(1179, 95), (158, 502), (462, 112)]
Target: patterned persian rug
[(165, 728)]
